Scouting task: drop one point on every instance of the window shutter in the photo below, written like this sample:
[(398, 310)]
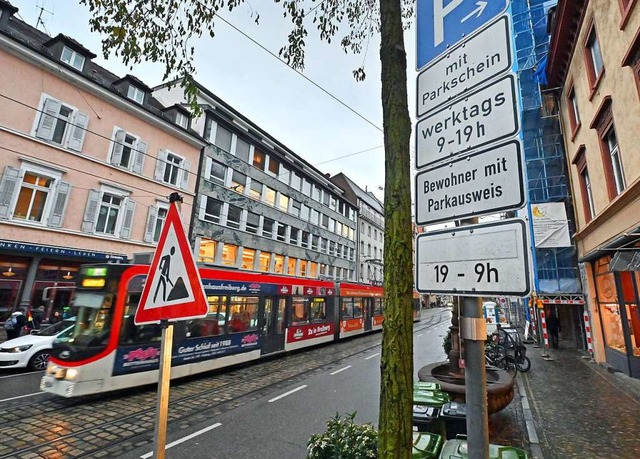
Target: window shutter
[(50, 112), (139, 159), (59, 205), (186, 169), (151, 223), (161, 163), (118, 147), (207, 168), (91, 211), (7, 188), (202, 206), (79, 130), (128, 219)]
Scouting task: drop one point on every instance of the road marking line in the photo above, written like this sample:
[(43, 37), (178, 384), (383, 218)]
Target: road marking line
[(183, 439), (372, 356), (341, 369), (287, 393), (18, 374), (419, 335), (21, 396)]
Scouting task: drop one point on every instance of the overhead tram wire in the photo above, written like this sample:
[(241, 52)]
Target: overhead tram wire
[(24, 104)]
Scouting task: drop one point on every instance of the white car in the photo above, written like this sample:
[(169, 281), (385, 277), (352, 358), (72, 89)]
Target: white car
[(33, 351)]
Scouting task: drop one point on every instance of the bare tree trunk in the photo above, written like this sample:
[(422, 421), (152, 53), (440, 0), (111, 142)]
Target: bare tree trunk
[(396, 367)]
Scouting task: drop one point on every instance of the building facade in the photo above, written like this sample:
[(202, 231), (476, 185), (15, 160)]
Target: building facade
[(369, 233), (594, 61), (87, 162), (260, 206)]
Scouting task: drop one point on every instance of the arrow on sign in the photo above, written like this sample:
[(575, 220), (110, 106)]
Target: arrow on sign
[(479, 10)]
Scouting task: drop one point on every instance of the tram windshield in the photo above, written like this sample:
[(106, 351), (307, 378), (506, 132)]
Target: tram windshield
[(92, 323)]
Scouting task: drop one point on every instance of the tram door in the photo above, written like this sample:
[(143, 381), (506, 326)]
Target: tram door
[(368, 313), (274, 329)]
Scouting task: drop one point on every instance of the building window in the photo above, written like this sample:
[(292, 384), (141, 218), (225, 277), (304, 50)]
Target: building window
[(61, 124), (258, 159), (217, 172), (283, 202), (282, 232), (304, 212), (295, 208), (317, 192), (593, 57), (305, 239), (278, 265), (293, 236), (212, 210), (291, 266), (306, 187), (72, 58), (267, 228), (208, 127), (128, 151), (32, 197), (284, 175), (136, 94), (223, 139), (242, 150), (295, 181), (109, 211), (265, 258), (229, 254), (253, 222), (234, 214), (238, 182), (255, 190), (182, 120), (616, 163), (325, 220), (207, 250), (248, 257), (270, 196), (172, 169), (323, 245), (155, 222), (274, 166), (303, 268), (313, 269), (315, 240)]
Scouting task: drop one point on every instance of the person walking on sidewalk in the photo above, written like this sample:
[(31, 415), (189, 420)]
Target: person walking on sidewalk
[(17, 325), (553, 325)]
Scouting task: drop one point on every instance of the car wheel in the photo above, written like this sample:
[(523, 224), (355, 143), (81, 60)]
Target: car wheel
[(40, 360)]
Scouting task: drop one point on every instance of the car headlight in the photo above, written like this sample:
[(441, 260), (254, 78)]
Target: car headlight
[(22, 348)]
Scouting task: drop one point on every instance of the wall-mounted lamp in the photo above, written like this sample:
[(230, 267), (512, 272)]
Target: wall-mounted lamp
[(9, 272), (68, 275)]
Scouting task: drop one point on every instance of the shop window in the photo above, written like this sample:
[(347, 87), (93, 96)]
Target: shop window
[(303, 268), (291, 266), (313, 269), (278, 265)]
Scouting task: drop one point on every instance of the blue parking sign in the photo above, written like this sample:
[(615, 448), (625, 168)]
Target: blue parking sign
[(442, 23)]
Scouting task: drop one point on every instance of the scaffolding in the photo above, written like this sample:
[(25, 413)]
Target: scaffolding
[(557, 273)]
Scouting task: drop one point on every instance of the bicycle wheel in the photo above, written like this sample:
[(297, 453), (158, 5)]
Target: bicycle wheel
[(524, 364)]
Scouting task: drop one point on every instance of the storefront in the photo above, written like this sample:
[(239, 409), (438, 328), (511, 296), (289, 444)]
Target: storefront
[(618, 296), (33, 275)]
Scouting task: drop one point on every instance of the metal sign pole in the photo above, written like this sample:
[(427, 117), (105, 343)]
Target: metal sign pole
[(164, 378)]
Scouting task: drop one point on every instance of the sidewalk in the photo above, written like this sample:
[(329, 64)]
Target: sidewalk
[(575, 408)]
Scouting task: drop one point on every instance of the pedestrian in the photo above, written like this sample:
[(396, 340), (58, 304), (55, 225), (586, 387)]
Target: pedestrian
[(17, 325), (553, 326), (37, 316)]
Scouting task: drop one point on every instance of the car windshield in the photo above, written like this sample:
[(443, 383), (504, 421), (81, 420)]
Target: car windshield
[(56, 328)]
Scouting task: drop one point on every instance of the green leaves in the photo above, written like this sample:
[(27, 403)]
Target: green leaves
[(344, 439)]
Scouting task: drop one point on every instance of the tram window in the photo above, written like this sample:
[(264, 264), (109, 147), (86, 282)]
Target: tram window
[(357, 307), (318, 310), (300, 310), (214, 323), (377, 306), (243, 311), (346, 312)]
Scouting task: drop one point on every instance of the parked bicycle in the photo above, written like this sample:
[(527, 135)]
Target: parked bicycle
[(513, 350)]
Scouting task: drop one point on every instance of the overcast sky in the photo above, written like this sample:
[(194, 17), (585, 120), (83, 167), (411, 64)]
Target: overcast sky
[(266, 91)]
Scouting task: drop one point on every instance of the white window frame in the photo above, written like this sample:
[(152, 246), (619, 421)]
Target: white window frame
[(126, 206), (57, 195), (135, 94), (616, 160), (182, 120), (138, 150), (154, 222), (184, 169), (47, 113), (74, 55)]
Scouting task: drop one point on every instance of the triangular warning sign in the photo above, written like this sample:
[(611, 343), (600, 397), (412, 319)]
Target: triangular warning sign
[(173, 289)]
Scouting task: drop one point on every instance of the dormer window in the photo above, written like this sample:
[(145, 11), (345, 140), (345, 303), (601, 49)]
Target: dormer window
[(182, 120), (135, 94), (72, 58)]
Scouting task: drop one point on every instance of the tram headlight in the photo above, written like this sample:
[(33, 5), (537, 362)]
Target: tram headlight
[(72, 374)]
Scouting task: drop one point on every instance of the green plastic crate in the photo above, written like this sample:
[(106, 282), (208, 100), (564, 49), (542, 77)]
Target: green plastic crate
[(435, 398), (426, 445), (457, 449)]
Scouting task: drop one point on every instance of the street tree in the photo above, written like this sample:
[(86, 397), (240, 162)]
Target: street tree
[(163, 31)]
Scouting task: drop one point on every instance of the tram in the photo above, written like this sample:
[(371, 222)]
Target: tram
[(250, 316)]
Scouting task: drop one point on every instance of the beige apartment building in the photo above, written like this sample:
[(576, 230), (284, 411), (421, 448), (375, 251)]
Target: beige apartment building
[(87, 162), (594, 62)]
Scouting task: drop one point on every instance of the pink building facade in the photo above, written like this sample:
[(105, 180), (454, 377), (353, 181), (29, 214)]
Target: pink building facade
[(87, 162)]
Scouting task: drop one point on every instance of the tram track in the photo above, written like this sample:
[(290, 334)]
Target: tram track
[(112, 425)]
